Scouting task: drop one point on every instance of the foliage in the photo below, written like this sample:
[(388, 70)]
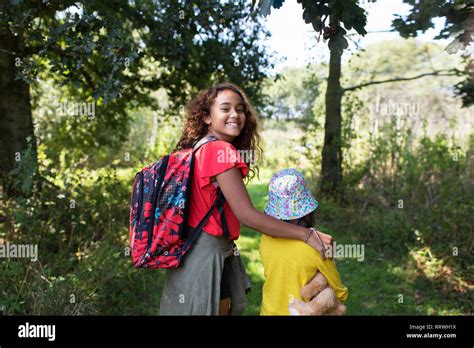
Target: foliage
[(291, 95), (78, 221), (416, 157), (465, 88), (458, 15), (282, 147), (414, 194), (114, 56), (326, 16)]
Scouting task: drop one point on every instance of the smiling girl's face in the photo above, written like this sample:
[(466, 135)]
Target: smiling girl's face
[(227, 116)]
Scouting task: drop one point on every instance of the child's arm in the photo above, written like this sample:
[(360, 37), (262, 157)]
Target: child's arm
[(236, 195)]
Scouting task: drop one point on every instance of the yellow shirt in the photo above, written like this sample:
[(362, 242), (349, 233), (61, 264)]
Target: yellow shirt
[(288, 266)]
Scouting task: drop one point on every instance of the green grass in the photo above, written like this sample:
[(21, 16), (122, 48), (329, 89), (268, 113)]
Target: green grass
[(377, 285), (249, 241)]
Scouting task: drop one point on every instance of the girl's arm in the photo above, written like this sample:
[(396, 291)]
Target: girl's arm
[(235, 193)]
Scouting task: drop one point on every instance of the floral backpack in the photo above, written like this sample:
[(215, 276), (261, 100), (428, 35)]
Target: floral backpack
[(159, 234)]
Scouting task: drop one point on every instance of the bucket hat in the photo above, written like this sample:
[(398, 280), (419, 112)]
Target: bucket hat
[(289, 197)]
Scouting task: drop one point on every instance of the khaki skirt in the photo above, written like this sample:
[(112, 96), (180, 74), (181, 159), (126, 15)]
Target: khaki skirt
[(194, 288)]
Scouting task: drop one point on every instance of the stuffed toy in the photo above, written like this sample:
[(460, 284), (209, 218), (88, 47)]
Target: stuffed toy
[(320, 299)]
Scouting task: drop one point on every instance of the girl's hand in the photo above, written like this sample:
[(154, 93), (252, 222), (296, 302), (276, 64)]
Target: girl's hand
[(321, 242), (315, 243), (327, 239)]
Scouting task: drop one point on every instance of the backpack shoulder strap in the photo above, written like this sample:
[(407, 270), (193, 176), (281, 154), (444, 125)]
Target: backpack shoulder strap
[(220, 199), (205, 140)]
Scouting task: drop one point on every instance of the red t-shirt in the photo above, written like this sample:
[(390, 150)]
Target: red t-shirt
[(211, 159)]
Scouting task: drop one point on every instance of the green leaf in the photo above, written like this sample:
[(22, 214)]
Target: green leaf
[(317, 25), (338, 43), (265, 7)]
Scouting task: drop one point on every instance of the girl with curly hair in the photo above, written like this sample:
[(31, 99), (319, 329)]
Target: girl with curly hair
[(211, 279)]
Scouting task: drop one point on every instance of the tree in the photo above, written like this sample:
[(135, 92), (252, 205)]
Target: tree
[(101, 52), (349, 14), (328, 17), (459, 26)]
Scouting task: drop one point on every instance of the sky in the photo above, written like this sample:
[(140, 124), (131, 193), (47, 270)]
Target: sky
[(294, 39)]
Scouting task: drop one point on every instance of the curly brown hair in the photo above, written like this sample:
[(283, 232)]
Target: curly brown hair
[(195, 128)]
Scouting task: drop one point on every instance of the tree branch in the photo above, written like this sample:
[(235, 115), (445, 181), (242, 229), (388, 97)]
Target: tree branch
[(452, 72), (374, 32), (88, 78), (8, 52)]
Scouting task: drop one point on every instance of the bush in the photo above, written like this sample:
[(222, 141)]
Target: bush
[(79, 219), (414, 195)]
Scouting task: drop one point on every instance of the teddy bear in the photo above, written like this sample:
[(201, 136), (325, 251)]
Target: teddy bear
[(320, 299)]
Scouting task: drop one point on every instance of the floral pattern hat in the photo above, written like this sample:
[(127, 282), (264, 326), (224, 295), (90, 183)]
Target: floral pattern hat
[(289, 197)]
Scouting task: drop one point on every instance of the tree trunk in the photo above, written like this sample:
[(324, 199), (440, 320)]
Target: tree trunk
[(16, 123), (331, 163)]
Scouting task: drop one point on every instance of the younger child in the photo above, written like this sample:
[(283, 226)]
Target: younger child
[(290, 264)]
